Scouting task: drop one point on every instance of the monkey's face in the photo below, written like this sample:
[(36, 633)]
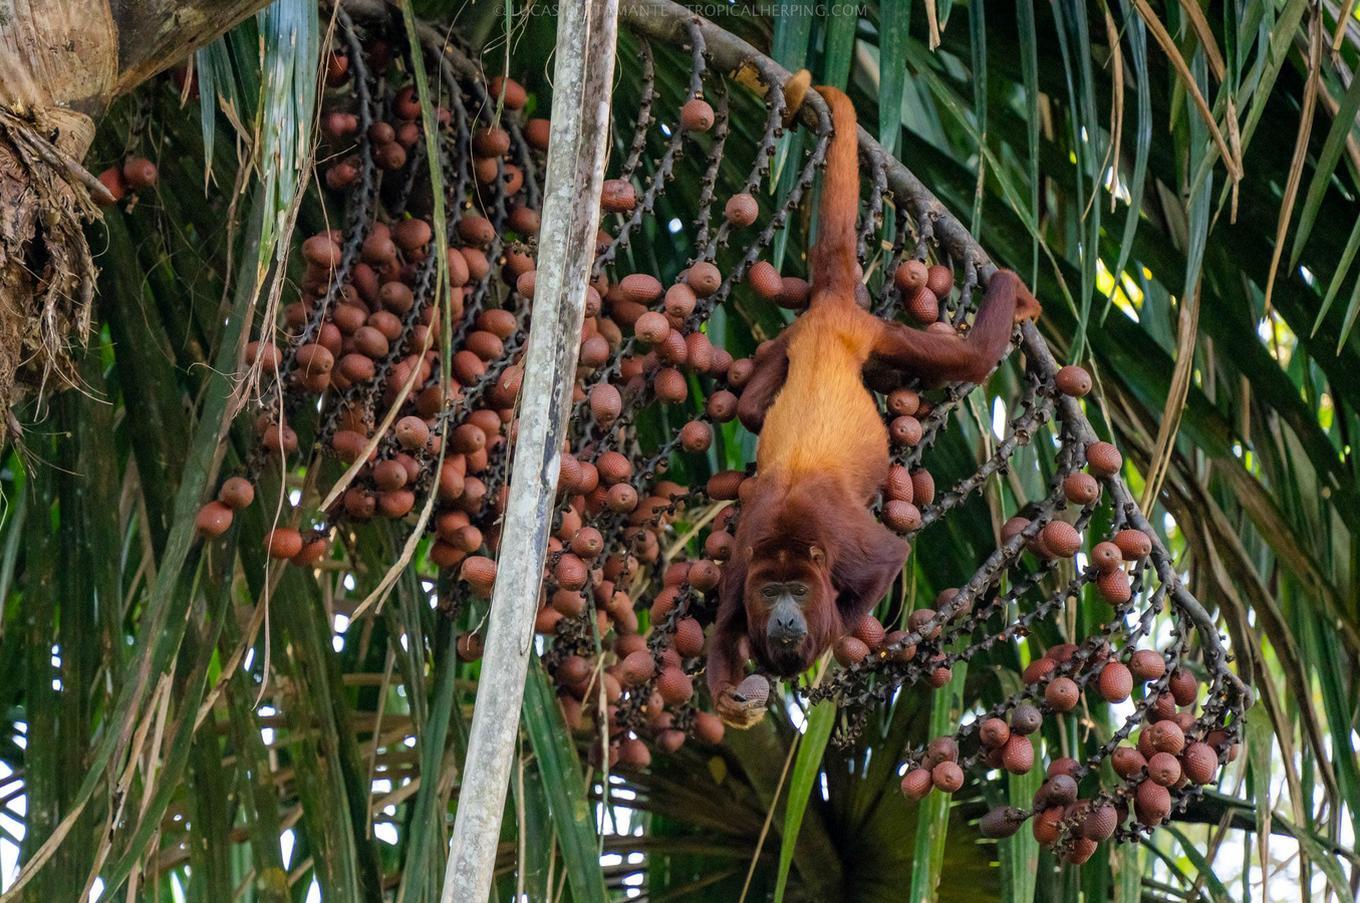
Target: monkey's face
[(786, 598)]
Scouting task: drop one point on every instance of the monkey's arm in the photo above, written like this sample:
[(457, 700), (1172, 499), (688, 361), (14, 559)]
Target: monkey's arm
[(771, 369), (936, 358), (867, 560)]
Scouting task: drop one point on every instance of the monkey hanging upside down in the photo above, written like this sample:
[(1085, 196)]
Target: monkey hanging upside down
[(810, 560)]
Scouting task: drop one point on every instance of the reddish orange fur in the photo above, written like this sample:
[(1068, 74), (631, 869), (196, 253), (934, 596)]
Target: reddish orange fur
[(823, 451)]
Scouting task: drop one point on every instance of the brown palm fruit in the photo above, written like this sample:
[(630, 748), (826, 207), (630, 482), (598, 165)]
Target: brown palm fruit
[(1062, 694), (674, 685), (901, 517), (695, 437), (571, 603), (314, 358), (1047, 825), (1073, 380), (905, 431), (1100, 821), (870, 632), (389, 475), (765, 280), (640, 287), (1081, 488), (741, 210), (397, 503), (670, 740), (1037, 670), (724, 485), (1165, 736), (1152, 803), (1183, 686), (1082, 849), (679, 301), (652, 327), (1164, 768), (670, 385), (794, 292), (941, 749), (850, 650), (897, 487), (571, 572), (1061, 538), (1017, 754), (1003, 821), (696, 115), (536, 132), (637, 668), (940, 675), (1114, 586), (1116, 682), (1025, 719), (470, 647), (940, 280), (1103, 459), (479, 572), (1147, 664), (1059, 790), (112, 180), (605, 402), (923, 622), (704, 278), (1063, 765), (1106, 557), (1134, 545), (993, 733), (1013, 527), (947, 776), (922, 486), (594, 351), (618, 196), (213, 520), (917, 783), (621, 498), (1200, 763), (904, 653), (236, 493), (708, 727), (515, 95), (139, 173), (910, 276), (689, 637), (283, 542), (614, 467), (587, 542), (923, 306), (1127, 762), (1062, 652)]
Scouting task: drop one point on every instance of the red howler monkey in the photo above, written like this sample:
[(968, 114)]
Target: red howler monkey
[(810, 560)]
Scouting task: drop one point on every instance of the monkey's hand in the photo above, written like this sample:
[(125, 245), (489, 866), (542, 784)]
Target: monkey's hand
[(1027, 307), (743, 706)]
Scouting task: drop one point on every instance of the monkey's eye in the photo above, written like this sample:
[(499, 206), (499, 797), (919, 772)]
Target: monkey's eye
[(799, 590), (770, 591)]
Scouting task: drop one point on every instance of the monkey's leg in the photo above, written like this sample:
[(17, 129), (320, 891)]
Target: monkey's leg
[(771, 369)]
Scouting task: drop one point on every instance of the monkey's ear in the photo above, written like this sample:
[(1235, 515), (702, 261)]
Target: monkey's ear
[(818, 556)]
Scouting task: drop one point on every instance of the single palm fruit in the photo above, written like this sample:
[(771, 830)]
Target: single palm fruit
[(1100, 822), (940, 280), (1059, 790), (640, 287), (923, 306), (1127, 762), (696, 115), (696, 436), (1116, 682), (1133, 544), (741, 210), (1166, 736), (1017, 755), (652, 327), (870, 631), (1082, 849), (1062, 694), (537, 132), (1103, 459), (1003, 821), (917, 783), (1183, 686), (674, 685), (515, 95), (1047, 825), (1025, 719), (479, 572), (689, 637), (901, 517), (708, 728), (1106, 557), (605, 403), (947, 776), (470, 647), (1114, 586), (680, 300), (703, 575), (942, 749), (1152, 803), (1200, 763), (850, 651), (1164, 768), (993, 732), (213, 520), (922, 485), (765, 280), (637, 668), (139, 173), (236, 493), (1073, 380), (618, 196), (1061, 538), (704, 278), (1147, 664), (910, 275), (283, 542), (1081, 488)]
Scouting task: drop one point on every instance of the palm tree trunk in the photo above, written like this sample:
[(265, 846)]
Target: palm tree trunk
[(61, 63)]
